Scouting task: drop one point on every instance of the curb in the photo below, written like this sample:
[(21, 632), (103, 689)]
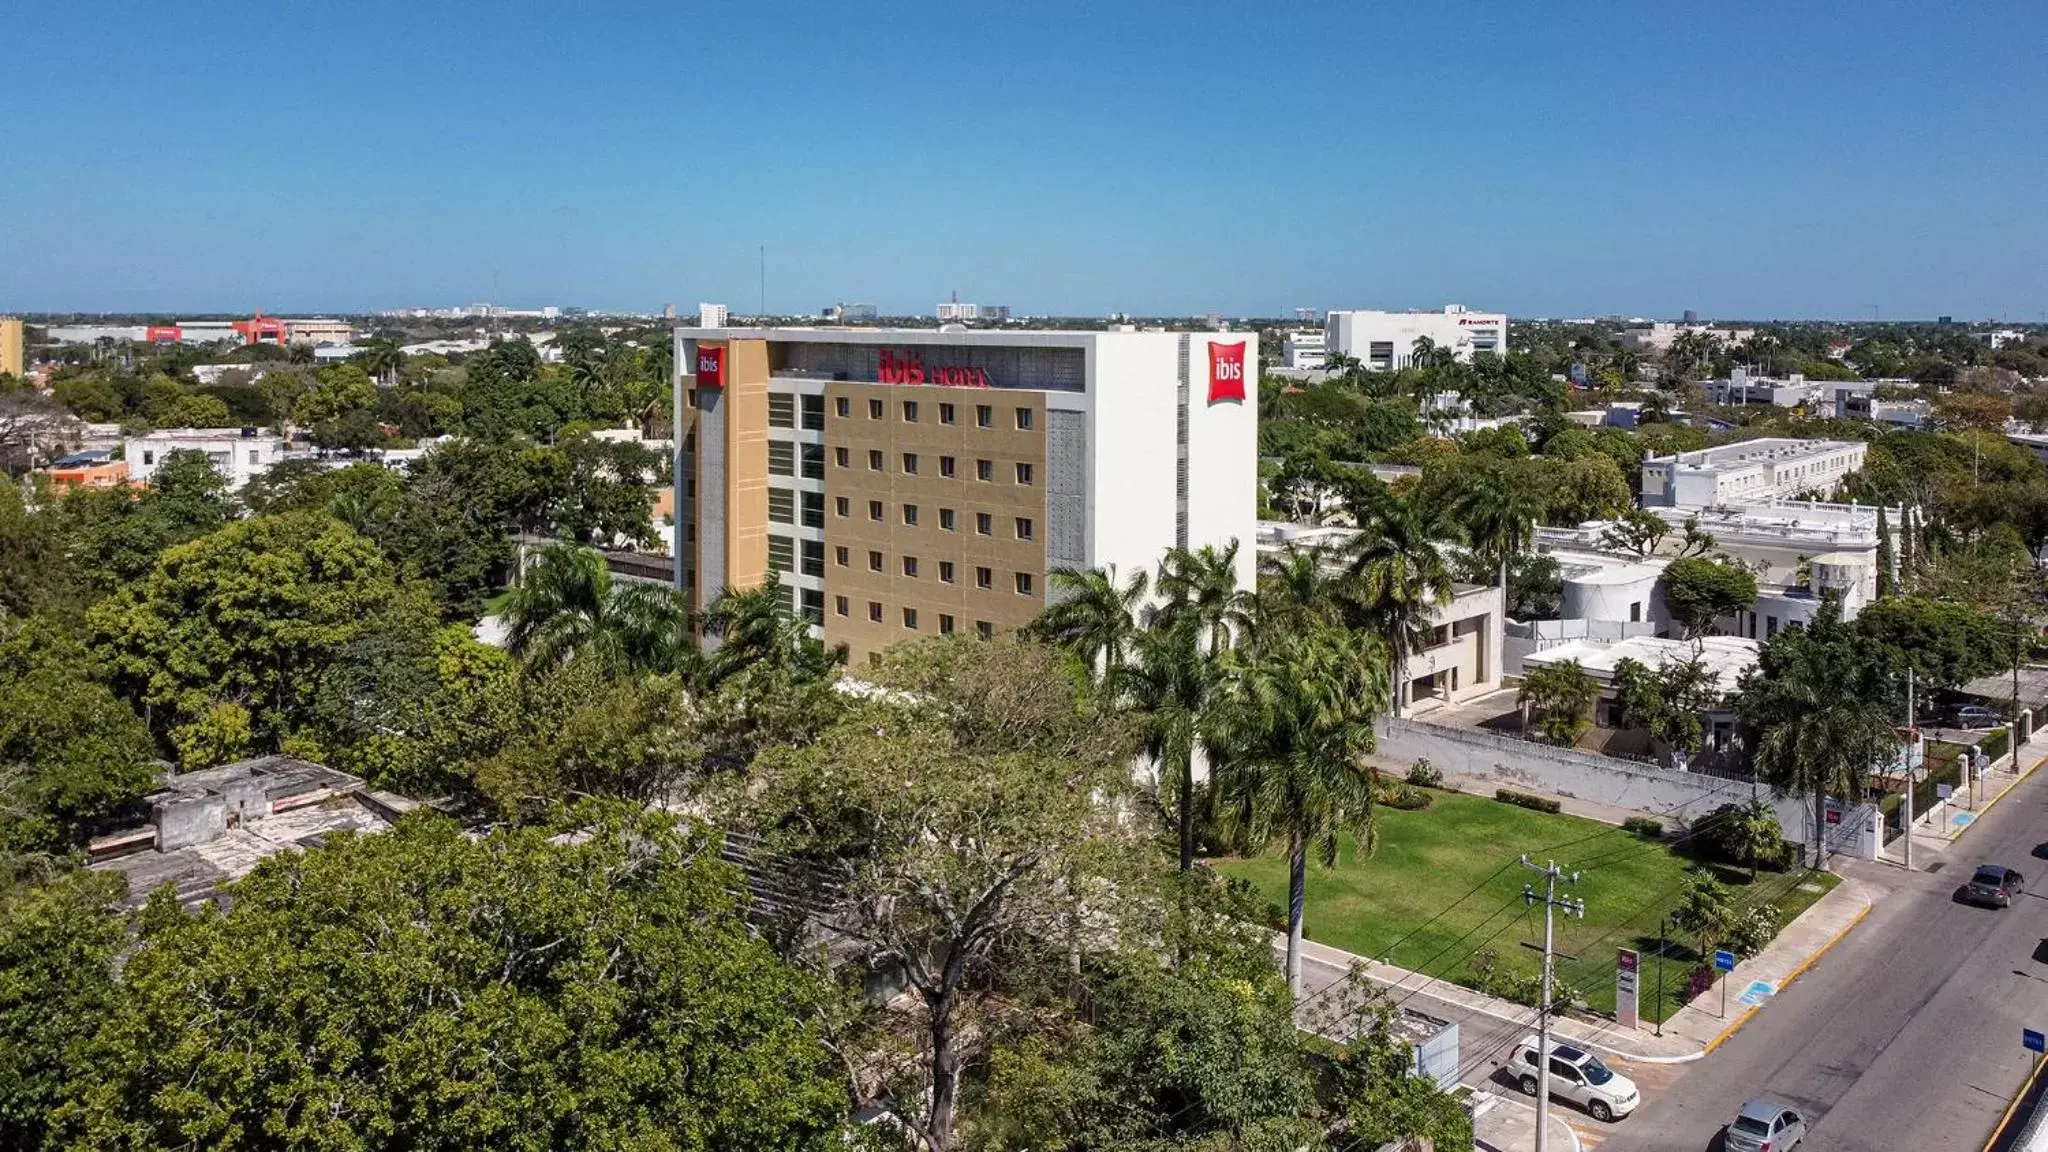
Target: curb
[(1796, 972), (2000, 795), (2026, 1087)]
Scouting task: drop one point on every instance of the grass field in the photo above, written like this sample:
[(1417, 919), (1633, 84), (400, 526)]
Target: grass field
[(497, 601), (1409, 905)]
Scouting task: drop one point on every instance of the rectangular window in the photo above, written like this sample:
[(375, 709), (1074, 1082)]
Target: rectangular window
[(910, 515), (874, 409), (945, 413), (813, 605), (781, 410), (842, 506), (985, 629), (813, 461), (782, 553), (840, 606), (985, 470), (946, 467), (875, 460), (1024, 416), (945, 625), (1024, 474), (945, 520), (148, 457), (814, 413), (875, 511), (910, 567), (910, 411), (984, 524), (840, 405), (252, 457), (1025, 528), (785, 597), (984, 578), (984, 416), (781, 458), (874, 561), (842, 457), (814, 509), (910, 463), (945, 571), (813, 552), (1024, 583), (839, 555), (875, 611), (910, 618), (782, 505)]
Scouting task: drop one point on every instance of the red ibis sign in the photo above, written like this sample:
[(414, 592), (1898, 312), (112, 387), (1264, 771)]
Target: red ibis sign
[(710, 367), (892, 368), (1226, 372)]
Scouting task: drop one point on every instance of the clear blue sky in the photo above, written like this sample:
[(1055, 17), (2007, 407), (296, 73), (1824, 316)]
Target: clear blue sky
[(1817, 158)]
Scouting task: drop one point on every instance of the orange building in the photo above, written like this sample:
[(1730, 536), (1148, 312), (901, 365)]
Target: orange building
[(89, 470)]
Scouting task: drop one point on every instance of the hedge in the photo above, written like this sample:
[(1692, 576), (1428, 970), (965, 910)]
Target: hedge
[(1524, 800), (1643, 826)]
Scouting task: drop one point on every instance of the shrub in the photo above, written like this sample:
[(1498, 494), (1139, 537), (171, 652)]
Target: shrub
[(1697, 981), (1524, 800), (1994, 744), (1753, 928), (1742, 835), (1643, 826), (1423, 774), (1404, 798)]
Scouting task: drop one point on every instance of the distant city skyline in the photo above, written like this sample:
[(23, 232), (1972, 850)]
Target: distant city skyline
[(1747, 160)]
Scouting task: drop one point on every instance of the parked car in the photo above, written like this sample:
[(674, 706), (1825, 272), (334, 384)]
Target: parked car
[(1994, 886), (1579, 1077), (1976, 716), (1764, 1126)]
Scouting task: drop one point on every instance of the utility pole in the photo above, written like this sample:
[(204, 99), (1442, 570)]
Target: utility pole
[(1551, 904), (1913, 735)]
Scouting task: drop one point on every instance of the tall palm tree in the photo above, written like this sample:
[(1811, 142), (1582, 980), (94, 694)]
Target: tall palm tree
[(567, 603), (1093, 616), (1169, 687), (1299, 588), (1499, 513), (755, 630), (1294, 726), (1201, 585), (382, 359), (1399, 575)]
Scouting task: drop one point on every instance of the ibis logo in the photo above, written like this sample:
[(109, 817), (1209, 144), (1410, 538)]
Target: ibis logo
[(1226, 372), (710, 367), (904, 368)]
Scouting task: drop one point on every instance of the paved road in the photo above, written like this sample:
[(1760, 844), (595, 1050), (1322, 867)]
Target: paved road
[(1904, 1036)]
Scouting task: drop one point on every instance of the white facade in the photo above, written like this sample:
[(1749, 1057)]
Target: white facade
[(319, 331), (1748, 472), (711, 315), (1386, 340), (235, 455), (1304, 351), (955, 310), (1660, 335)]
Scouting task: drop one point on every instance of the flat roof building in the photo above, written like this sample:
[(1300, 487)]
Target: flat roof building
[(1386, 340), (1749, 472), (238, 454), (1304, 351), (909, 483)]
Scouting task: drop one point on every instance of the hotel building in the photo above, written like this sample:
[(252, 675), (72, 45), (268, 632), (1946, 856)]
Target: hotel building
[(910, 483)]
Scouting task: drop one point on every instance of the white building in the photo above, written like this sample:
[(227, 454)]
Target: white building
[(1660, 335), (1303, 351), (319, 330), (1386, 340), (236, 453), (1749, 472), (711, 315), (1742, 387), (954, 310)]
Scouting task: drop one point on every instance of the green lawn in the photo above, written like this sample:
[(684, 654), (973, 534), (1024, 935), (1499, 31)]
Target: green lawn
[(495, 604), (1398, 905)]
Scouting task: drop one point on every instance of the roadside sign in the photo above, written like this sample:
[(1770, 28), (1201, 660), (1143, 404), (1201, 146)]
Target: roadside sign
[(1627, 970), (1944, 790), (1724, 960), (2033, 1041)]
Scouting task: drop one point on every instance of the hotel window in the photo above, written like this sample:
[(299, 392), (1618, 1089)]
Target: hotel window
[(984, 470), (839, 555), (910, 515), (842, 457), (910, 411), (781, 410), (842, 506), (814, 509), (874, 561), (945, 413), (813, 461), (1025, 528), (782, 505), (782, 553), (841, 406), (910, 618), (1024, 583), (945, 571), (781, 458), (785, 595), (984, 524), (946, 467), (945, 520), (910, 463), (985, 629), (910, 567), (814, 413), (875, 511), (875, 611), (1024, 474), (875, 460), (840, 605), (984, 416), (813, 557), (813, 605), (874, 409), (984, 578), (945, 625), (1024, 419)]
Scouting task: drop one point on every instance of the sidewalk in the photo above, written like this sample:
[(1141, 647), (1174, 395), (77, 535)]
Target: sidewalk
[(1935, 830), (1502, 1122)]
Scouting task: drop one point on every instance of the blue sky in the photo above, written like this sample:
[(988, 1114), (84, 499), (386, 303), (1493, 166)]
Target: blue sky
[(1819, 158)]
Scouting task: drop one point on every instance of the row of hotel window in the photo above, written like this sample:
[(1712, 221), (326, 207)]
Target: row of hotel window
[(784, 553), (783, 460), (812, 609), (782, 509), (786, 410)]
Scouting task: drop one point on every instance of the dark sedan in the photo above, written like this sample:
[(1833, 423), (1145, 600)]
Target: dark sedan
[(1993, 886)]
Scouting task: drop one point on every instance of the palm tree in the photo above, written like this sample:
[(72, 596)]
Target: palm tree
[(755, 630), (567, 604), (1093, 616), (382, 358), (1202, 586), (1398, 575), (1499, 513), (1299, 588), (1169, 687), (1293, 728)]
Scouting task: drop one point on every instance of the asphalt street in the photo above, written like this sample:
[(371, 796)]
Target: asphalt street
[(1906, 1035)]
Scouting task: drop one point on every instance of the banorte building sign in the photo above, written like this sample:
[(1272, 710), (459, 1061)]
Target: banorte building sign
[(905, 368)]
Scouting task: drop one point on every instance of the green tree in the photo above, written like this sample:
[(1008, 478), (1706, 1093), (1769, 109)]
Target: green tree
[(608, 497), (755, 632), (1560, 698), (1698, 592), (1704, 913), (71, 753), (1399, 576), (1668, 701), (1499, 513), (1945, 643), (340, 390), (517, 990), (1169, 687), (1093, 616), (58, 943), (1887, 560), (567, 603), (1200, 586), (192, 410)]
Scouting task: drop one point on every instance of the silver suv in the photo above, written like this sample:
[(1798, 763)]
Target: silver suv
[(1578, 1076)]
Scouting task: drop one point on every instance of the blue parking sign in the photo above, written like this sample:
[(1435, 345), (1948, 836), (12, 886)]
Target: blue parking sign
[(2033, 1041), (1724, 960)]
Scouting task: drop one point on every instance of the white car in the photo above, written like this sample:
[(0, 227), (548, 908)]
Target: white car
[(1578, 1076)]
